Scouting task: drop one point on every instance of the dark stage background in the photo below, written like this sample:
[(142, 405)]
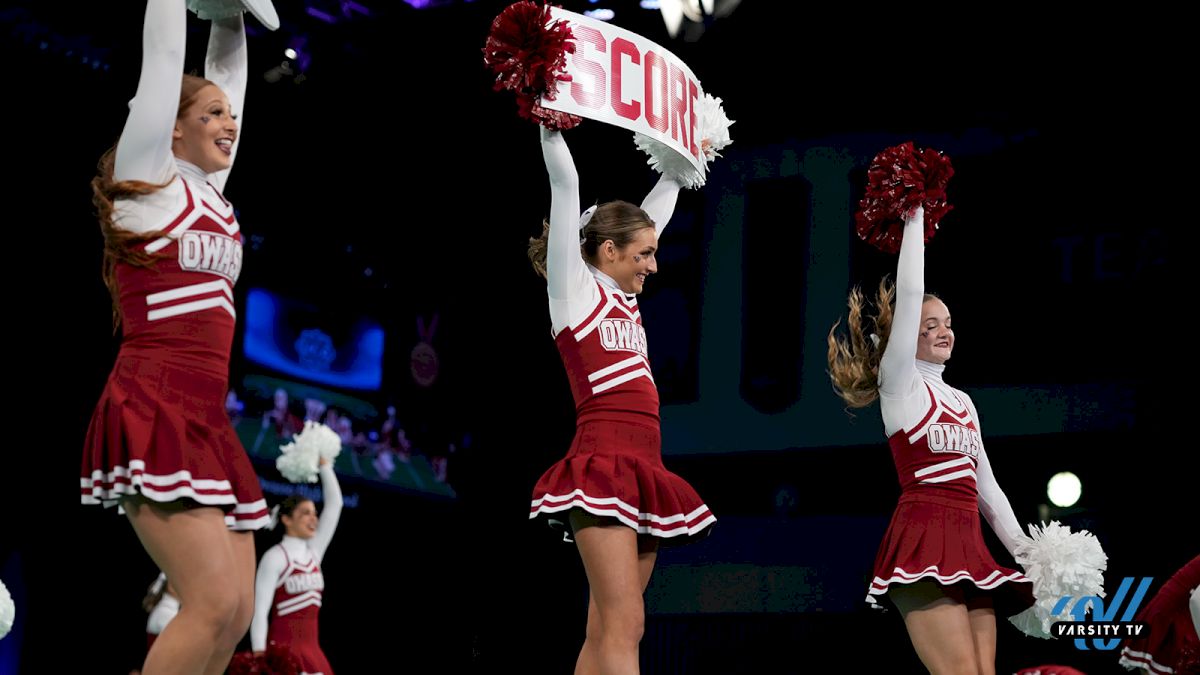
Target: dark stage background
[(380, 178)]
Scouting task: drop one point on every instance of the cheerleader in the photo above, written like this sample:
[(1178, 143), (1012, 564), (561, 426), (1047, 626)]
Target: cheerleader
[(611, 490), (160, 444), (289, 585), (932, 565)]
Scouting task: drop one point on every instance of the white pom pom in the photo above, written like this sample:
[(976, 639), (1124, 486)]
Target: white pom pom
[(713, 131), (1060, 563), (210, 10), (325, 441), (301, 458), (298, 465), (667, 161), (8, 610), (714, 127)]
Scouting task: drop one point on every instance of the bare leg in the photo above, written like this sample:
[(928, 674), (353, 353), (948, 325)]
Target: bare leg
[(618, 567), (191, 545), (982, 617), (938, 625), (241, 545)]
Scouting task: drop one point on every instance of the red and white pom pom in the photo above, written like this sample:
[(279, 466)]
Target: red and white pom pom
[(300, 460), (1060, 563), (527, 51), (8, 610), (712, 128), (900, 179), (277, 660), (211, 10)]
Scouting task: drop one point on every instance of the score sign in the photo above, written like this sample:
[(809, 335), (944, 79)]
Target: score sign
[(624, 79)]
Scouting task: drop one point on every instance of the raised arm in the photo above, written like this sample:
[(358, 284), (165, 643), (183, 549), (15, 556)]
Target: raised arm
[(568, 281), (898, 376), (565, 270), (331, 513), (660, 203), (144, 149), (226, 66), (269, 569)]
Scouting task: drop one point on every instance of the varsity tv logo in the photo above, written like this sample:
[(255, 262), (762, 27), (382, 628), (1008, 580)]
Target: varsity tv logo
[(1104, 622)]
